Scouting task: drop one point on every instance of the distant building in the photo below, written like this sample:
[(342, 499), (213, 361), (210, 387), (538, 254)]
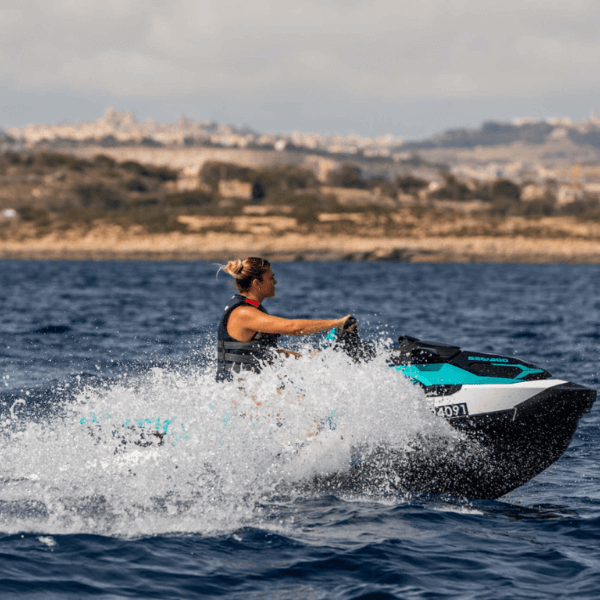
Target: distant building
[(567, 194), (235, 189)]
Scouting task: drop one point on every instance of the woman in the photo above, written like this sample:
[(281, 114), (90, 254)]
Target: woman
[(247, 334)]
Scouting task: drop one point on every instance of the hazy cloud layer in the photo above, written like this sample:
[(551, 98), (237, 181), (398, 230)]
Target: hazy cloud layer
[(381, 50)]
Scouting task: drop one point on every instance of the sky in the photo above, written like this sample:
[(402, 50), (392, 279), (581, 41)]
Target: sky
[(383, 67)]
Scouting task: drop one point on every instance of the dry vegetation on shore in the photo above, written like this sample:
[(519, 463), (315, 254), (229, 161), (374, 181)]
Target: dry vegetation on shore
[(69, 207)]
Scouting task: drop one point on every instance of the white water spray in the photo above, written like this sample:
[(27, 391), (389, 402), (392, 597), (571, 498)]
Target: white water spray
[(173, 451)]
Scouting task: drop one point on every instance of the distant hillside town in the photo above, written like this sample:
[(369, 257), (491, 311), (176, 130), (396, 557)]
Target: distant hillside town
[(120, 129), (558, 154)]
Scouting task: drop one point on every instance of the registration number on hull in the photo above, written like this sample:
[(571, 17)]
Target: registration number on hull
[(452, 410)]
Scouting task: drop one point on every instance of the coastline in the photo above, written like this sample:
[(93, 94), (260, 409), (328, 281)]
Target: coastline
[(114, 243), (64, 207)]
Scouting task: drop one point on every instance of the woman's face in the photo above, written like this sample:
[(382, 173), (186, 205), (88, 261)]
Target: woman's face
[(266, 286)]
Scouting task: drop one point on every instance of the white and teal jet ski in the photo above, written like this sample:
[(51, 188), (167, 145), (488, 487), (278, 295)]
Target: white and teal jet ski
[(517, 419)]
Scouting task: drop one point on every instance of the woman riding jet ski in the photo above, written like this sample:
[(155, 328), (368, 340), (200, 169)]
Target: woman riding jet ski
[(516, 419), (247, 334)]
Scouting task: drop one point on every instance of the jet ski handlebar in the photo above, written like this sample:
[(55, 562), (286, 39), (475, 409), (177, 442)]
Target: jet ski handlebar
[(350, 324), (348, 341)]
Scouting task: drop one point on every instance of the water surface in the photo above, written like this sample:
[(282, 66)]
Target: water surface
[(92, 351)]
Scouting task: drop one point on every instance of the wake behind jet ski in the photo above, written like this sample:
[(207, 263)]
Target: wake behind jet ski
[(516, 418)]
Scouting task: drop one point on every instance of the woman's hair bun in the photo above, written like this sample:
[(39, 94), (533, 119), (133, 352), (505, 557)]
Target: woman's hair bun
[(234, 268)]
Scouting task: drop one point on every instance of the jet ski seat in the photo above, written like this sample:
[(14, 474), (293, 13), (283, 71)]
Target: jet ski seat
[(414, 351)]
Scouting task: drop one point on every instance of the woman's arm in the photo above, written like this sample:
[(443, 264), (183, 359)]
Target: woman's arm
[(245, 321)]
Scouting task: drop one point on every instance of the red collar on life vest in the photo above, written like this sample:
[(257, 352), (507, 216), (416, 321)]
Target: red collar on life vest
[(253, 302)]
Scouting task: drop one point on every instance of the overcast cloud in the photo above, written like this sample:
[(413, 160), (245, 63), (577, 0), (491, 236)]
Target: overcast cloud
[(302, 65)]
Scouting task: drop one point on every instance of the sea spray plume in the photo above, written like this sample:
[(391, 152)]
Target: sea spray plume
[(226, 449), (360, 409)]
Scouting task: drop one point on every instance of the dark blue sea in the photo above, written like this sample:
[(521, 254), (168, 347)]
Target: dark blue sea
[(127, 472)]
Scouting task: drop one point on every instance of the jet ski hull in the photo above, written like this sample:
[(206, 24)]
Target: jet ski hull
[(515, 420), (499, 452)]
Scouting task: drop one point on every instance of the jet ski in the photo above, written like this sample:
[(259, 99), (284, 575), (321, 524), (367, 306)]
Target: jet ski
[(515, 418)]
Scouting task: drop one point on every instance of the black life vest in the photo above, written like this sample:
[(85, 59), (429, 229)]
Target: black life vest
[(235, 356)]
